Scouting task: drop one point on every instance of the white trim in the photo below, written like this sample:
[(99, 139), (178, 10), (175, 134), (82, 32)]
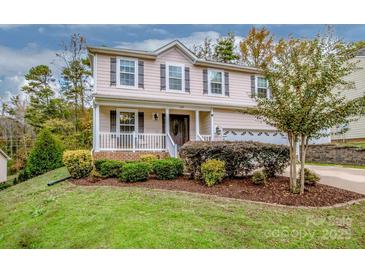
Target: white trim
[(167, 78), (197, 125), (97, 127), (256, 86), (212, 129), (135, 111), (118, 85), (223, 84)]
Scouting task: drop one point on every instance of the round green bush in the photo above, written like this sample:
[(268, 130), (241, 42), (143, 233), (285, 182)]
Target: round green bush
[(111, 168), (98, 163), (168, 169), (135, 172), (213, 171), (310, 177), (78, 162), (259, 178), (45, 156)]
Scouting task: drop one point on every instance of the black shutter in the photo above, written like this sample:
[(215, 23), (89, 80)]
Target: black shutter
[(205, 81), (163, 76), (140, 74), (113, 121), (113, 71), (253, 86), (226, 83), (141, 122), (187, 79)]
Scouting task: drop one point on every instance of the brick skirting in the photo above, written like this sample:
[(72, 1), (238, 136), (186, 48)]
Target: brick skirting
[(334, 154), (126, 155)]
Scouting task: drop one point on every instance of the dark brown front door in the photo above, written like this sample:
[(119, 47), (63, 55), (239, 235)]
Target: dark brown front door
[(179, 128)]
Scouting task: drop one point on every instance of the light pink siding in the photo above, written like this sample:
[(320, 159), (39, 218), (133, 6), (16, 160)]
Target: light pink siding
[(234, 119), (239, 82)]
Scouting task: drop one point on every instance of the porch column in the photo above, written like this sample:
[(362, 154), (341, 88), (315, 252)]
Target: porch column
[(97, 127), (211, 125), (197, 126), (167, 120)]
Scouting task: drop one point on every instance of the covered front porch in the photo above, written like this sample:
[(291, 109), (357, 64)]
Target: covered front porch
[(136, 128)]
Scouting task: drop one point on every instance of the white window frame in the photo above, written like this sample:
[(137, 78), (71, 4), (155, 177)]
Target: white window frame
[(168, 77), (135, 111), (223, 84), (135, 72), (268, 94)]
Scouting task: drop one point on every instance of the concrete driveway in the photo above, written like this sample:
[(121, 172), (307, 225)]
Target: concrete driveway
[(346, 178)]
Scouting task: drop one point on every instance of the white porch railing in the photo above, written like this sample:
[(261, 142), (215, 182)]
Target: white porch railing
[(171, 146), (206, 138), (132, 141)]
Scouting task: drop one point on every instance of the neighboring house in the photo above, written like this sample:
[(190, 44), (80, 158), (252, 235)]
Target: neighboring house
[(158, 100), (3, 166), (354, 131)]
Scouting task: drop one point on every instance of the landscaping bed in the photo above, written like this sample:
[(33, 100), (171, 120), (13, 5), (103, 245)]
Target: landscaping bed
[(275, 191)]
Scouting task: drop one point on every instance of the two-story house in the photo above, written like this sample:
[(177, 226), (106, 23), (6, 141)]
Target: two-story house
[(157, 100), (354, 131)]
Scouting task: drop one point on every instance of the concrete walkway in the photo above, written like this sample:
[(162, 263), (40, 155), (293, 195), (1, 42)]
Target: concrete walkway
[(346, 178)]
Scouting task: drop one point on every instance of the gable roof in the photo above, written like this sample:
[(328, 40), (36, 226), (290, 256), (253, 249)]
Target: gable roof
[(4, 154), (152, 55)]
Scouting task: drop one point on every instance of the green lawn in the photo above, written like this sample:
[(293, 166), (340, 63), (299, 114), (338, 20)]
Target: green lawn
[(336, 165), (33, 215)]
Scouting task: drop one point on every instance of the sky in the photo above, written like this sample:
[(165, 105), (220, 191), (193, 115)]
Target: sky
[(25, 46)]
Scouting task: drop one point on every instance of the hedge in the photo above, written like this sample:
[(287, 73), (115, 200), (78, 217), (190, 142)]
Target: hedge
[(135, 172), (241, 158), (168, 169), (78, 162)]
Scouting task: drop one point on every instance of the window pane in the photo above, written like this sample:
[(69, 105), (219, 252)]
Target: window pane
[(127, 79), (261, 82), (215, 76), (126, 129), (262, 92), (175, 84), (127, 66), (175, 72), (127, 118), (216, 88)]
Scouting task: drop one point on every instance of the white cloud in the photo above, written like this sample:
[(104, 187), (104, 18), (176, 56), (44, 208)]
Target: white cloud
[(152, 44), (10, 26), (14, 63)]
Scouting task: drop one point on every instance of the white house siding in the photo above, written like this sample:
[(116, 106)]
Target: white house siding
[(239, 82), (3, 168), (357, 128)]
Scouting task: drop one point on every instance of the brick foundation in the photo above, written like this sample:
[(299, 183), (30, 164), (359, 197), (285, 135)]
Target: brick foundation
[(126, 155)]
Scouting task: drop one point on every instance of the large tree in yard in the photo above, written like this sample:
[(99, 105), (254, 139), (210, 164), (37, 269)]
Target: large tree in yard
[(307, 80)]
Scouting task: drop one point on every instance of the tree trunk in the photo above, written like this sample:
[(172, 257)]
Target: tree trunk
[(294, 183), (302, 162)]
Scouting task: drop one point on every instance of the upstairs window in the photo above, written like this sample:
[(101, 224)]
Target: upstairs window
[(128, 72), (262, 88), (215, 82), (175, 77)]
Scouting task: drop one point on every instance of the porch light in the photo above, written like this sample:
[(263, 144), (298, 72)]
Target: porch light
[(155, 116)]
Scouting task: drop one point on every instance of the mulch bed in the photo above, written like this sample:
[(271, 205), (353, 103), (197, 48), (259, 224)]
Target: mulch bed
[(276, 191)]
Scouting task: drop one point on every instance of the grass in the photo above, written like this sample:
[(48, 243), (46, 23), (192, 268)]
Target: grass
[(352, 144), (33, 215), (335, 165)]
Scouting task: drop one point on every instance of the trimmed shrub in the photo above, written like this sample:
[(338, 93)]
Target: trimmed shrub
[(213, 172), (148, 158), (135, 172), (259, 178), (45, 156), (167, 169), (78, 162), (111, 168), (241, 158), (310, 177), (98, 163)]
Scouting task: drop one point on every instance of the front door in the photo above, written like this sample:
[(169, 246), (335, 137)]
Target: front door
[(179, 128)]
